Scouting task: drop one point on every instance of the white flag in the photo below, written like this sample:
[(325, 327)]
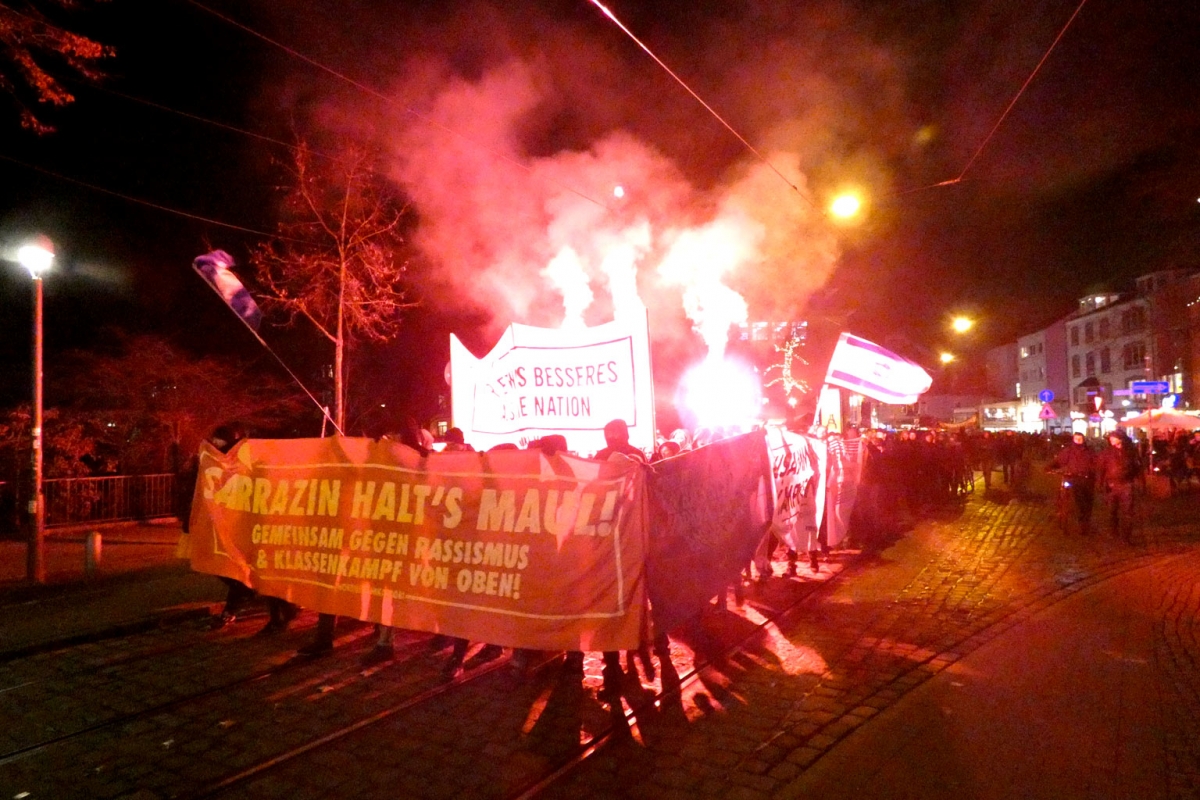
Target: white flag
[(875, 372)]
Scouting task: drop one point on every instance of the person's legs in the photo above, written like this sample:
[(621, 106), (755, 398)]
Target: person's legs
[(383, 650), (280, 613), (612, 676), (453, 667), (237, 596), (322, 642), (1085, 498), (1126, 512)]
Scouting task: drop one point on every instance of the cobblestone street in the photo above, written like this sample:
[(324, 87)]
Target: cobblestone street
[(984, 654)]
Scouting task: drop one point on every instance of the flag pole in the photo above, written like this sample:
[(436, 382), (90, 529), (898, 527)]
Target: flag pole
[(282, 363)]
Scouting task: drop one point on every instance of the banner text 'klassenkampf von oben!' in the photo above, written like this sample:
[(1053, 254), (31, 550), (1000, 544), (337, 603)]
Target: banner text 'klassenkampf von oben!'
[(511, 547)]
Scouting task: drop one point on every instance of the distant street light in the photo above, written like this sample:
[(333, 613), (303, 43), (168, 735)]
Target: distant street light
[(845, 205), (962, 324), (37, 257), (947, 357)]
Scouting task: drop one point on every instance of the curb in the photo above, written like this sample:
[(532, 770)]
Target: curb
[(159, 619)]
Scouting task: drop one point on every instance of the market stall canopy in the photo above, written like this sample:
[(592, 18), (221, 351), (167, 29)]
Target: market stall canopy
[(1157, 418)]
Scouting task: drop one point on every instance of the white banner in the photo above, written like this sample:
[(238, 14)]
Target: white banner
[(844, 470), (798, 467), (539, 381)]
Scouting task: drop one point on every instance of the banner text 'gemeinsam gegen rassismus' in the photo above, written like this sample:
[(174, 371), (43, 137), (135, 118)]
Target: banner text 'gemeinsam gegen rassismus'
[(511, 547), (539, 381)]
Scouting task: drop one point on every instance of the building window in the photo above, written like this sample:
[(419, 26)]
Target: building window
[(1074, 336), (1105, 329), (1091, 364), (1133, 319), (1024, 352), (1105, 361), (1133, 355), (1075, 370), (1089, 332)]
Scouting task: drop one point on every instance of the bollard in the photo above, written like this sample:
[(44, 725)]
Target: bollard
[(91, 553)]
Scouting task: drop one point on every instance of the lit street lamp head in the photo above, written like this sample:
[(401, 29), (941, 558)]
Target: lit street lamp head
[(846, 206), (37, 257), (962, 324)]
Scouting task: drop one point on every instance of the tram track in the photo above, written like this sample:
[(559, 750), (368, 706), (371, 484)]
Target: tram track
[(123, 719), (420, 684), (586, 749), (398, 700)]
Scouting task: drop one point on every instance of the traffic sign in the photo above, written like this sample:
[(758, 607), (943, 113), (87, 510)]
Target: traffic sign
[(1150, 387), (1047, 412), (1046, 396)]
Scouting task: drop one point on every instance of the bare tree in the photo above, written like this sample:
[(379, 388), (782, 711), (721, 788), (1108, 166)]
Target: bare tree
[(29, 42), (334, 258)]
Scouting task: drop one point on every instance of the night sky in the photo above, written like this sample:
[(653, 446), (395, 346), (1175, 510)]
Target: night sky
[(509, 124)]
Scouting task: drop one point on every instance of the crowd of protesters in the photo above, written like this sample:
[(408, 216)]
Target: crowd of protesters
[(913, 473), (904, 475), (909, 474)]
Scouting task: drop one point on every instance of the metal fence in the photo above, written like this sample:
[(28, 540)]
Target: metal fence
[(111, 498)]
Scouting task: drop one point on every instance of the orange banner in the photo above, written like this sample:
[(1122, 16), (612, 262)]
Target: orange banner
[(512, 547)]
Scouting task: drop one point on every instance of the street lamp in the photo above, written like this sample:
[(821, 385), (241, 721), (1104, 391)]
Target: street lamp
[(962, 324), (846, 205), (37, 258)]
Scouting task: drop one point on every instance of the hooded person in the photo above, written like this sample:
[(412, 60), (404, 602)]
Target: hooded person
[(456, 442), (616, 440), (1118, 469)]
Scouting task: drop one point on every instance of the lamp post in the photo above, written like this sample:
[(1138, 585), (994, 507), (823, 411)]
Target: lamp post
[(37, 258)]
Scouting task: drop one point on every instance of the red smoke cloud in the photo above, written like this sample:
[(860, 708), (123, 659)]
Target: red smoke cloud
[(493, 218)]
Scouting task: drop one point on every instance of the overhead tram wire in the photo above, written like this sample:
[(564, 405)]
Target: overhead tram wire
[(763, 159), (136, 200), (987, 139), (604, 9), (1020, 91), (425, 118), (196, 117)]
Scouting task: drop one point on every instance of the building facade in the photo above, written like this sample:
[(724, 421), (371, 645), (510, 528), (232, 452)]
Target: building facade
[(1003, 372), (1117, 346), (1042, 366)]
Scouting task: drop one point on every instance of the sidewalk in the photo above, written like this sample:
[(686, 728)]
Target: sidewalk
[(1076, 701), (138, 583)]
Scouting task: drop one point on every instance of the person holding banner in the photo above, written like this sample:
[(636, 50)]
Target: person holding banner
[(384, 650), (237, 595), (616, 440), (456, 443)]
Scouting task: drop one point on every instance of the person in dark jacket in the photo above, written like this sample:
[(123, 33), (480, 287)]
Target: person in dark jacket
[(616, 440), (1077, 464), (238, 595), (1118, 469)]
